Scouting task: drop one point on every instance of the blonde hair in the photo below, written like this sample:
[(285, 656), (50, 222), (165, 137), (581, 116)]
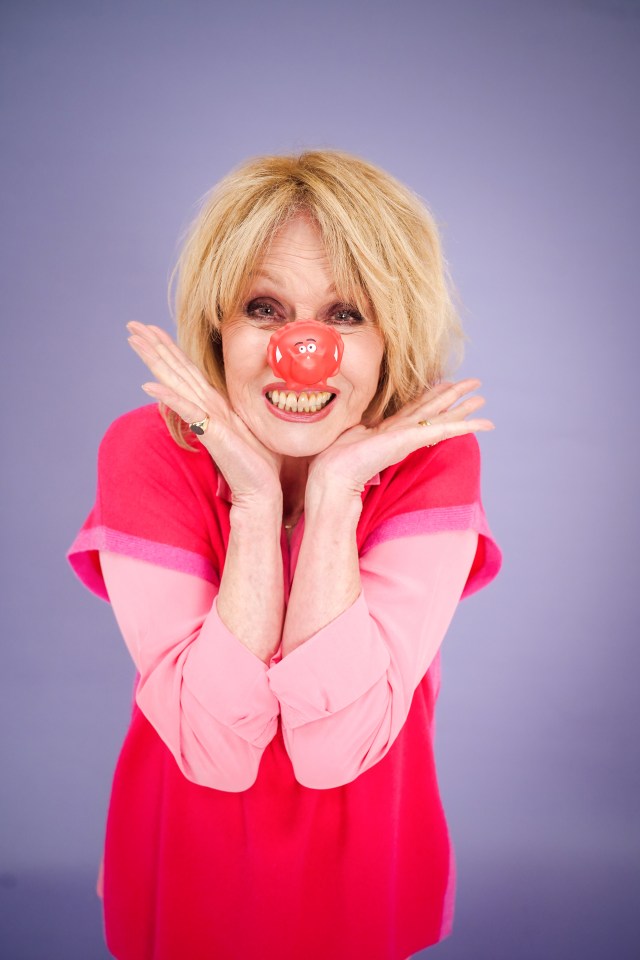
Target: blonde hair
[(381, 241)]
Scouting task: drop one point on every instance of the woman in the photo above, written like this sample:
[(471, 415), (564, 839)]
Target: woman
[(283, 575)]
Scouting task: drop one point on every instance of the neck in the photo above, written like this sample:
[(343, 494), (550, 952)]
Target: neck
[(293, 479)]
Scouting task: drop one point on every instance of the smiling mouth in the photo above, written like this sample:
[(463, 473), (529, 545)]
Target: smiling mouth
[(304, 402)]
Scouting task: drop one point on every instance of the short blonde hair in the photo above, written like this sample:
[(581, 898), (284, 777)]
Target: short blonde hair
[(381, 240)]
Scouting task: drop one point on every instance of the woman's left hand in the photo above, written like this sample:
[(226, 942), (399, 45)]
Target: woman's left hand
[(361, 452)]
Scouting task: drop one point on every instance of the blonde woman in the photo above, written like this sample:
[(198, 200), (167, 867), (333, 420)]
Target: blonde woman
[(283, 574)]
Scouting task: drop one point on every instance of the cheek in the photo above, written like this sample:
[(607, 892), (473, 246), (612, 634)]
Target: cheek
[(361, 366), (244, 362)]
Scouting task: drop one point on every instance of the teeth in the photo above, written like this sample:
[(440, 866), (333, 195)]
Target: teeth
[(304, 403)]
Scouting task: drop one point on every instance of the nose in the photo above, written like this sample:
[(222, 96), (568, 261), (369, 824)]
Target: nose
[(306, 370)]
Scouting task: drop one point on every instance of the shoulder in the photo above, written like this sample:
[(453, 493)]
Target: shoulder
[(140, 428), (143, 431), (138, 444), (447, 474), (433, 490)]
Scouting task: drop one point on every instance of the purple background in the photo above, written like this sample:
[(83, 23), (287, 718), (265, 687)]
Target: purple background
[(518, 123)]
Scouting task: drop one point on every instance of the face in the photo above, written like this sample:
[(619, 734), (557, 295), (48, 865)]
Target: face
[(294, 282)]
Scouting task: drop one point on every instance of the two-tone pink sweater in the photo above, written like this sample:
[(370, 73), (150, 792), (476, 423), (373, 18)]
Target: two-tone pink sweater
[(286, 809)]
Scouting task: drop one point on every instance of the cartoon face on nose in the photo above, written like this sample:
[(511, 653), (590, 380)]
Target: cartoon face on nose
[(304, 354)]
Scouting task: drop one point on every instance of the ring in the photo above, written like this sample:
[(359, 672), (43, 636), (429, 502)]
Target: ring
[(199, 426), (426, 423)]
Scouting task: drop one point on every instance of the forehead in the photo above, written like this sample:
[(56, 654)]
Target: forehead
[(297, 250), (299, 236), (296, 263)]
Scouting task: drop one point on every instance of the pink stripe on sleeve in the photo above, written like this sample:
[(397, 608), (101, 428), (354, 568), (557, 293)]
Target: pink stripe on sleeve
[(470, 516), (84, 559)]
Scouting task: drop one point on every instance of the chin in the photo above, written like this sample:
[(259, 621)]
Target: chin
[(300, 446)]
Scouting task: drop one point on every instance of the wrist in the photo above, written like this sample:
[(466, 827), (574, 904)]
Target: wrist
[(253, 516), (332, 506)]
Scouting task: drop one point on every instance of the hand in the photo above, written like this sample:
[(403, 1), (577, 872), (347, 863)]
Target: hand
[(251, 470), (361, 452)]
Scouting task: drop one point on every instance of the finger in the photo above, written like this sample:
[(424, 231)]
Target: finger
[(458, 428), (432, 407), (142, 330), (168, 350), (434, 402), (439, 432), (162, 370), (414, 409), (453, 393), (187, 371), (428, 394), (186, 409), (463, 409)]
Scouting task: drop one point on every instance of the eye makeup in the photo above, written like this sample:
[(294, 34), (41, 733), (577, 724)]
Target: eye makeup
[(267, 310)]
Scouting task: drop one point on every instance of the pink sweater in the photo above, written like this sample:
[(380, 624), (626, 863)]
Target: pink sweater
[(216, 844), (342, 696)]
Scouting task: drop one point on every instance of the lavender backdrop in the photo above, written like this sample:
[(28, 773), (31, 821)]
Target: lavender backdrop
[(517, 122)]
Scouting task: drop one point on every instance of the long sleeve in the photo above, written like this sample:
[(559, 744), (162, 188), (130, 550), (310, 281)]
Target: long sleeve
[(206, 695), (345, 693)]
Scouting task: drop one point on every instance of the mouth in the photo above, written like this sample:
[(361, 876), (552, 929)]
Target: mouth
[(304, 405)]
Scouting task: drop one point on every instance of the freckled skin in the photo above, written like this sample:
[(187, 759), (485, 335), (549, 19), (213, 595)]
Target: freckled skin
[(305, 354)]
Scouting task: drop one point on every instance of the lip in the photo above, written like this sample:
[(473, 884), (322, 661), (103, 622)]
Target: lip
[(296, 417)]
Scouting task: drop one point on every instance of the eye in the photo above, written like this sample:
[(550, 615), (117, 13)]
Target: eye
[(343, 314), (311, 347), (302, 348), (263, 309)]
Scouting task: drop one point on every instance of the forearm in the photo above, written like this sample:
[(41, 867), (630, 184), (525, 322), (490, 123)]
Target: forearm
[(205, 694), (345, 695), (251, 597), (327, 577)]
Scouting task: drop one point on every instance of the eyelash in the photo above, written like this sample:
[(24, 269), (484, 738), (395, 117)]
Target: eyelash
[(352, 312), (258, 303), (254, 305)]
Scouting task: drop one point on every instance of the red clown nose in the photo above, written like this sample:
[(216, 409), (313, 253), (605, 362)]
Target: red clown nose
[(304, 354)]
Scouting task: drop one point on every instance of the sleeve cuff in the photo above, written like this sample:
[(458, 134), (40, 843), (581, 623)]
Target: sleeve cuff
[(332, 669), (230, 682)]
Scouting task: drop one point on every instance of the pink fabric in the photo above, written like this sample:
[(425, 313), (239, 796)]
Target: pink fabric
[(343, 696), (435, 519), (158, 502), (102, 538), (197, 871)]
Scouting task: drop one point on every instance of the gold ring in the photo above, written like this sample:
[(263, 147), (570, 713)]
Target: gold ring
[(425, 423), (199, 426)]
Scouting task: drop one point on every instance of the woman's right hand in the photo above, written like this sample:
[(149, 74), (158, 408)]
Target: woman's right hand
[(251, 470)]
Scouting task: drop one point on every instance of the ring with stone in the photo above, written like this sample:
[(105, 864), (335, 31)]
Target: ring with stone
[(199, 426)]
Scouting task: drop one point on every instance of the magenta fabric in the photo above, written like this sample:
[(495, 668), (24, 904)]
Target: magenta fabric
[(155, 501)]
